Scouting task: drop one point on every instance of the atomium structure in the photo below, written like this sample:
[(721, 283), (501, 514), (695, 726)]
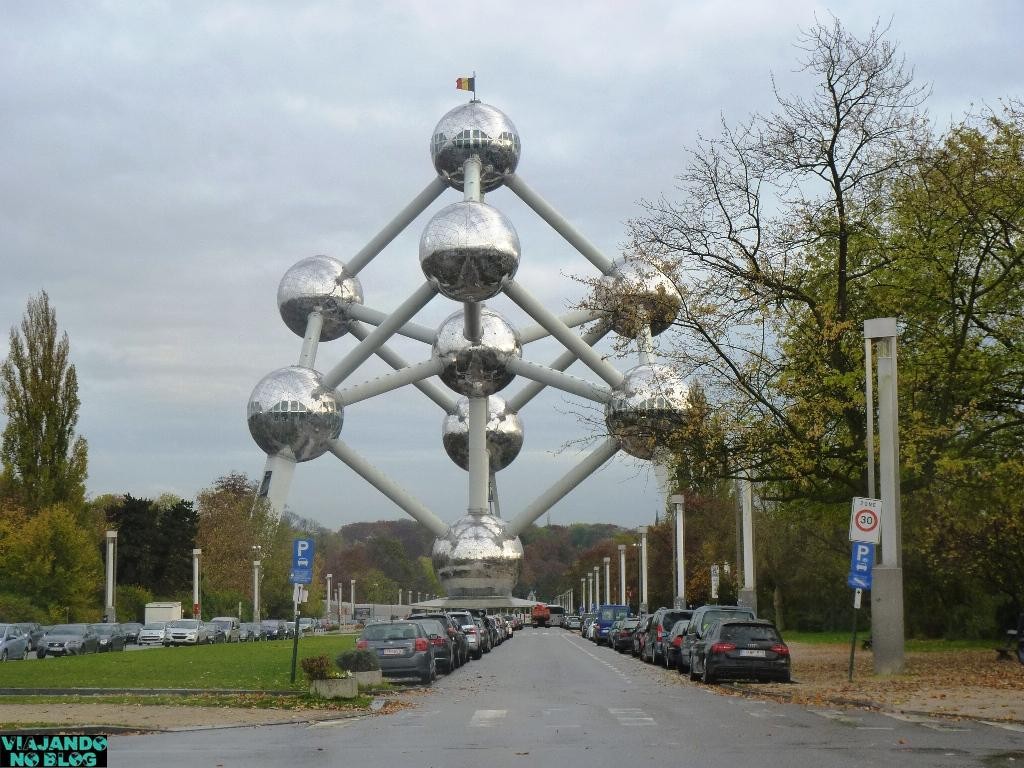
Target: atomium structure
[(469, 252)]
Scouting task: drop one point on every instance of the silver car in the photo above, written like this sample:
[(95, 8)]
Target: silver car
[(13, 643), (152, 633), (186, 632)]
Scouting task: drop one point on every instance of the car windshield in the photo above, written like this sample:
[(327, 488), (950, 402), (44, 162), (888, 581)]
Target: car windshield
[(68, 629), (223, 623), (749, 633), (431, 626), (5, 628), (390, 632), (103, 629), (630, 623), (671, 617), (185, 624), (612, 612), (710, 617), (158, 625)]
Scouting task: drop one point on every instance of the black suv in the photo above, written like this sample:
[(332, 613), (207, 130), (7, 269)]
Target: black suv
[(701, 621), (454, 629), (654, 643)]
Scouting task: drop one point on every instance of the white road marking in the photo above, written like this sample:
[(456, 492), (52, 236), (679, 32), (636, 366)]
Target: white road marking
[(632, 716), (487, 718)]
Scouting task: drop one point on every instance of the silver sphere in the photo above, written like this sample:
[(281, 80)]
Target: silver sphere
[(477, 557), (318, 283), (290, 412), (468, 250), (651, 402), (479, 368), (475, 129), (504, 434), (638, 293)]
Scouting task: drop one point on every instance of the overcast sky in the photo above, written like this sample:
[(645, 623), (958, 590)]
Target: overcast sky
[(163, 163)]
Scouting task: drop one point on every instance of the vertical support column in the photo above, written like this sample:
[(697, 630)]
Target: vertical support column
[(314, 325), (622, 574), (256, 564), (597, 585), (197, 612), (352, 596), (869, 401), (277, 479), (608, 580), (748, 592), (590, 592), (583, 596), (479, 459), (643, 569), (679, 503), (330, 577), (109, 609)]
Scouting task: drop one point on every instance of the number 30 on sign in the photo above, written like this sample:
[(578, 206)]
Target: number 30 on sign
[(866, 520)]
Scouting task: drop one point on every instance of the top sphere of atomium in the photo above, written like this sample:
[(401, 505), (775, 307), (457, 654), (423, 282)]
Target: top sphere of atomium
[(638, 293), (475, 129), (318, 283), (650, 404), (468, 250), (477, 368), (292, 413)]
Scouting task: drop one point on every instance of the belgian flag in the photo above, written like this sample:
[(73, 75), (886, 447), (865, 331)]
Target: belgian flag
[(466, 83)]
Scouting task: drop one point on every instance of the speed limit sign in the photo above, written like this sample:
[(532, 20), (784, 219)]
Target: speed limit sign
[(866, 520)]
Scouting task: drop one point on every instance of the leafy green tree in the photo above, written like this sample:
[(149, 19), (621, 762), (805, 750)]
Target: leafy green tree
[(43, 462)]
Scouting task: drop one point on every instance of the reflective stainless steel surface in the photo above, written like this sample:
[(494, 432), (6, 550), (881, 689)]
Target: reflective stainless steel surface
[(290, 412), (477, 368), (468, 249), (504, 434), (475, 129), (318, 282), (650, 404), (638, 293), (478, 557)]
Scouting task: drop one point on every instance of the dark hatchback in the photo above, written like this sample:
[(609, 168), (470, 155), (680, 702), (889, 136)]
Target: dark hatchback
[(403, 649), (741, 650), (620, 636), (703, 618), (654, 641)]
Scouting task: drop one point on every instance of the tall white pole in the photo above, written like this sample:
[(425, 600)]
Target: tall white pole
[(197, 612), (643, 568), (679, 503), (622, 574), (590, 592), (748, 594), (608, 580), (352, 596), (330, 576), (597, 585), (109, 609), (256, 592), (583, 596)]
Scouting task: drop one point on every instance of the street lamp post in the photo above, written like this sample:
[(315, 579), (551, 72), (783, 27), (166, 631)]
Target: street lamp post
[(622, 574), (597, 586), (590, 592), (607, 580), (197, 612), (583, 596), (109, 610), (330, 576), (679, 502), (352, 596), (643, 568), (257, 550)]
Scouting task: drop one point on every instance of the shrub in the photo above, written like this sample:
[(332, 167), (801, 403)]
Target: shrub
[(318, 668), (357, 661)]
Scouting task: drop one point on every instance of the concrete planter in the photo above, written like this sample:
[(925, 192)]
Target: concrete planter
[(372, 677), (336, 688)]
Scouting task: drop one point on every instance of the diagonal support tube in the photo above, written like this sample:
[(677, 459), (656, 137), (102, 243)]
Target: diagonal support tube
[(563, 381), (570, 320), (376, 317), (563, 361), (396, 361), (563, 333), (558, 223), (554, 494), (391, 381), (402, 314), (388, 487), (392, 229)]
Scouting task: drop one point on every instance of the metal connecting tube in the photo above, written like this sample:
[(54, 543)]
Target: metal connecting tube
[(563, 361)]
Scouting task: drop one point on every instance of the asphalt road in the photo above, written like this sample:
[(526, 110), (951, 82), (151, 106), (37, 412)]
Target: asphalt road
[(550, 698)]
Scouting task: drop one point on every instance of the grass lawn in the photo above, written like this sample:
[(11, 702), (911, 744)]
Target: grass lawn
[(253, 666), (826, 638)]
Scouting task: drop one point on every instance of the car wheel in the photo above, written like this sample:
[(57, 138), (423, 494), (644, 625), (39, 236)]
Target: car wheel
[(430, 675), (41, 653), (664, 661), (694, 675), (706, 677)]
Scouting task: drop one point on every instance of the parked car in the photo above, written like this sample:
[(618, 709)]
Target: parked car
[(216, 632), (187, 632), (111, 637), (250, 632), (701, 621), (620, 636), (454, 628), (486, 641), (470, 631), (229, 625), (403, 649), (275, 629), (131, 631), (640, 633), (741, 649), (13, 642), (588, 619), (606, 616), (654, 641), (674, 643), (573, 623), (152, 633), (442, 642), (68, 640), (34, 631), (307, 625)]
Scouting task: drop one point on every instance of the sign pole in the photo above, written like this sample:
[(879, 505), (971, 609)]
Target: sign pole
[(853, 637)]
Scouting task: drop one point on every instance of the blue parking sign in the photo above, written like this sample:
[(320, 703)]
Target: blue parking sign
[(302, 561), (862, 560)]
